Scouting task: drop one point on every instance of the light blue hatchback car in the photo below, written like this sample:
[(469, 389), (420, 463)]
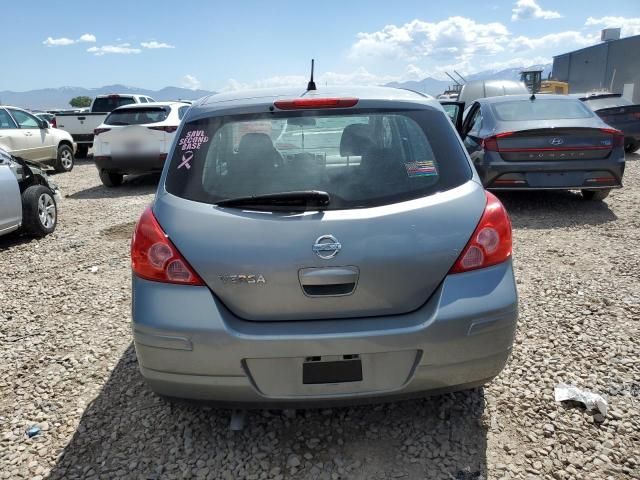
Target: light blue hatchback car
[(318, 247)]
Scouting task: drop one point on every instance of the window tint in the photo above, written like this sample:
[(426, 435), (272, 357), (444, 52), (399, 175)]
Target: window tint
[(143, 100), (24, 119), (182, 111), (608, 102), (137, 116), (5, 120), (361, 160), (108, 104), (540, 109)]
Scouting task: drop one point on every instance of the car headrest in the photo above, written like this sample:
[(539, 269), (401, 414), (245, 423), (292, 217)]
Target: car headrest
[(355, 140), (255, 143)]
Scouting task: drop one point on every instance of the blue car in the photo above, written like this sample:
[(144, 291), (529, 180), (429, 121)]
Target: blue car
[(319, 247)]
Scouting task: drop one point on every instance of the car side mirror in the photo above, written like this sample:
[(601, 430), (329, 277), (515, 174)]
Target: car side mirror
[(43, 124)]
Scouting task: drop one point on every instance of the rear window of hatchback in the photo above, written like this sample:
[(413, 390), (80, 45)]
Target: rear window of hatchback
[(361, 158), (137, 116)]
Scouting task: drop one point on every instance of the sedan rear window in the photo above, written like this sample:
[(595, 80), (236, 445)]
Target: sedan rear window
[(137, 116), (607, 102), (540, 109), (363, 159), (109, 104)]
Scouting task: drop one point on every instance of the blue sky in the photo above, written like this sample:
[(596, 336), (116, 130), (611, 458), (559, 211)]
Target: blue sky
[(247, 43)]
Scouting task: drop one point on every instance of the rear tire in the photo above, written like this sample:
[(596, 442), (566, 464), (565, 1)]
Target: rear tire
[(64, 161), (631, 146), (82, 151), (596, 194), (39, 211), (111, 179)]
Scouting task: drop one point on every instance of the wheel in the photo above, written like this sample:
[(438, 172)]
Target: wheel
[(64, 162), (39, 211), (82, 151), (596, 194), (111, 179), (631, 146)]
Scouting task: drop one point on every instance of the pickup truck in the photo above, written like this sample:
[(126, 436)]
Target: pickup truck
[(81, 125)]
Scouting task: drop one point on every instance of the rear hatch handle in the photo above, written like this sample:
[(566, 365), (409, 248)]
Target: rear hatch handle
[(329, 281)]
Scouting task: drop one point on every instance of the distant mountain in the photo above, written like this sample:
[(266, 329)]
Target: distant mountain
[(434, 86), (50, 98), (427, 85)]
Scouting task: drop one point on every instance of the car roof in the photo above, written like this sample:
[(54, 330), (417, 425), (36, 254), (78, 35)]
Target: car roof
[(268, 95), (511, 98), (152, 104)]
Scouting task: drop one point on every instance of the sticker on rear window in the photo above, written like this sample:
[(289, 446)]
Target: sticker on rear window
[(186, 159), (193, 140), (421, 169)]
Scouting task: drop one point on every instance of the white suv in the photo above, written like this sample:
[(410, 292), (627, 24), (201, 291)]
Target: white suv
[(136, 139), (26, 136)]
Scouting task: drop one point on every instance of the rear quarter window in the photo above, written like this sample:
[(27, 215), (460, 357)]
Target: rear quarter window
[(361, 158)]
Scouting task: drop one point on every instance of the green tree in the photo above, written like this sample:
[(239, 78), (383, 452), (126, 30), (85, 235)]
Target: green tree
[(80, 102)]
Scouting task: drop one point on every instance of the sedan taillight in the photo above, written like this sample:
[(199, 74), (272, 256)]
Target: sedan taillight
[(618, 136), (155, 257), (491, 241), (98, 131)]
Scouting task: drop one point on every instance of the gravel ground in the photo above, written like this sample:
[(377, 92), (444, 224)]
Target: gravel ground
[(67, 364)]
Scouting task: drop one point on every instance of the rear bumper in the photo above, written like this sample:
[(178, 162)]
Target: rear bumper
[(549, 175), (131, 164), (461, 337)]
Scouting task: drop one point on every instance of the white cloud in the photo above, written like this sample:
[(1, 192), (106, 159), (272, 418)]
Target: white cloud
[(191, 82), (418, 49), (568, 39), (123, 49), (87, 37), (453, 37), (153, 44), (629, 26), (526, 9), (58, 42), (64, 41)]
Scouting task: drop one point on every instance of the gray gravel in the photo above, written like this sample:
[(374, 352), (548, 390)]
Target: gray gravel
[(67, 365)]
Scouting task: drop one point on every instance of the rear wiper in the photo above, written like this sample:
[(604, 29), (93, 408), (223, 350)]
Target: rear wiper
[(303, 199)]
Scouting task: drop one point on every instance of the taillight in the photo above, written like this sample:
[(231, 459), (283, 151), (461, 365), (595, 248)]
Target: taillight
[(154, 257), (166, 128), (98, 131), (304, 103), (53, 123), (491, 143), (491, 241), (618, 136)]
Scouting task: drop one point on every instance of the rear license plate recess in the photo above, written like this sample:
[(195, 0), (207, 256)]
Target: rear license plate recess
[(315, 371)]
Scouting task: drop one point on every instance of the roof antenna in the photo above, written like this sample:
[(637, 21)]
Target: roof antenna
[(311, 85)]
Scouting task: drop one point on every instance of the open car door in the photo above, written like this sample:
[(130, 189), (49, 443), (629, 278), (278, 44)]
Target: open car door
[(454, 110)]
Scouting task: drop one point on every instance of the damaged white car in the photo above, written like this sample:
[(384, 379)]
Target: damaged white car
[(28, 197)]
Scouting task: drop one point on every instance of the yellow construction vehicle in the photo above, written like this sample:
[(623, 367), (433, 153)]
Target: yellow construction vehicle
[(533, 80), (554, 86)]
